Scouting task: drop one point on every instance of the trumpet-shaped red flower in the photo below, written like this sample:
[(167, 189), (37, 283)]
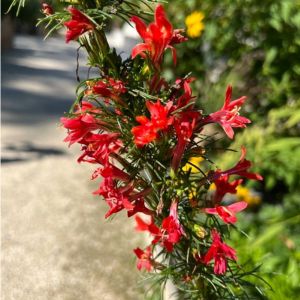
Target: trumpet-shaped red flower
[(97, 147), (184, 126), (223, 186), (119, 198), (172, 227), (186, 97), (227, 213), (159, 114), (144, 133), (110, 89), (228, 116), (170, 232), (241, 169), (148, 130), (139, 205), (111, 171), (219, 252), (47, 9), (144, 258), (142, 225), (79, 127), (158, 36), (78, 25), (116, 198)]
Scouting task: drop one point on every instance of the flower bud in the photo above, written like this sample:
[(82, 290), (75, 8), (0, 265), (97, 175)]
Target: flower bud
[(47, 9)]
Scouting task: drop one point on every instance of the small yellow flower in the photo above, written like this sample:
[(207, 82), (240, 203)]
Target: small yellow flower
[(212, 187), (244, 194), (195, 161), (194, 24)]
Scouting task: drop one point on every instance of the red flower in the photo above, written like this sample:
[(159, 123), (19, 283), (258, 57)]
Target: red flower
[(172, 227), (218, 252), (184, 126), (119, 198), (144, 133), (82, 124), (144, 258), (241, 169), (148, 130), (98, 147), (78, 25), (228, 116), (223, 186), (79, 127), (111, 171), (139, 206), (227, 213), (150, 226), (159, 114), (116, 198), (170, 231), (158, 36), (47, 9), (110, 89), (186, 97)]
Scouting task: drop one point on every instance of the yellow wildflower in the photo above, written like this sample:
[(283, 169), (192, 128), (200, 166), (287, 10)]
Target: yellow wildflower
[(195, 161), (194, 24), (212, 187), (244, 194)]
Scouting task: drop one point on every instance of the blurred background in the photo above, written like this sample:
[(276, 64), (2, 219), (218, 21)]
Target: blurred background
[(255, 46), (52, 227)]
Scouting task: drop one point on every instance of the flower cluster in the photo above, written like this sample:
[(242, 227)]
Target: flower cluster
[(146, 136)]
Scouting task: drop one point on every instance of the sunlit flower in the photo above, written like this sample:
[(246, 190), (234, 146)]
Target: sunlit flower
[(144, 258), (148, 130), (157, 37), (241, 169), (219, 252), (78, 25), (170, 232), (228, 116), (222, 186), (227, 213), (184, 126), (194, 24)]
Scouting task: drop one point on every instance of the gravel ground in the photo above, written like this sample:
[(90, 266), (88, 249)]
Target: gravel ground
[(55, 241)]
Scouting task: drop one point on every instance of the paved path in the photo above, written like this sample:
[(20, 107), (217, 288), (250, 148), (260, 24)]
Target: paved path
[(55, 241)]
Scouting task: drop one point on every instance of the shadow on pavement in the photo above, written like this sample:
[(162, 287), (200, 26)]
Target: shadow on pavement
[(38, 80), (27, 151)]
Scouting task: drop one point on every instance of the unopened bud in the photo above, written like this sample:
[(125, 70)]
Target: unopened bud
[(200, 231), (47, 9)]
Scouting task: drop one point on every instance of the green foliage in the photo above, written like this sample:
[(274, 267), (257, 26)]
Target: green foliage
[(274, 240), (258, 41), (274, 148), (27, 14), (255, 46)]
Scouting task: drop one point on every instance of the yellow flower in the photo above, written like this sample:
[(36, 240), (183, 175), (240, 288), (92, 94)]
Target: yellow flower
[(194, 24), (212, 187), (244, 194), (195, 161)]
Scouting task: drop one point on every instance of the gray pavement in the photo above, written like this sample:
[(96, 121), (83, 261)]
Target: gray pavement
[(55, 241)]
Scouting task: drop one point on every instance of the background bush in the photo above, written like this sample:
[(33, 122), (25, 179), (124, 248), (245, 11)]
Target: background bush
[(255, 46)]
